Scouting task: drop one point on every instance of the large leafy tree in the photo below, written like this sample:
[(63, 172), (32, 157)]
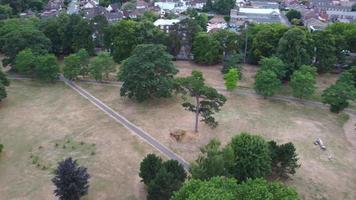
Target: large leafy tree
[(295, 49), (266, 83), (71, 68), (338, 96), (213, 161), (265, 38), (163, 185), (101, 65), (213, 189), (325, 51), (147, 73), (123, 37), (71, 180), (19, 34), (232, 61), (284, 158), (274, 64), (293, 14), (252, 156), (303, 83), (3, 93), (149, 168), (260, 189), (47, 68), (207, 99), (228, 41), (25, 62), (206, 49)]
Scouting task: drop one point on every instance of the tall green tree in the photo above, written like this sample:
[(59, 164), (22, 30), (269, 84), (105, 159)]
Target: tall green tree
[(252, 156), (162, 186), (147, 73), (71, 69), (228, 41), (25, 62), (303, 83), (293, 14), (325, 51), (47, 68), (207, 99), (295, 49), (338, 96), (274, 64), (266, 83), (3, 93), (149, 168), (4, 81), (213, 161), (101, 65), (232, 62), (284, 158), (223, 7), (206, 49)]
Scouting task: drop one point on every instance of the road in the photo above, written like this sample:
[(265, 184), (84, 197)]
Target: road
[(126, 123)]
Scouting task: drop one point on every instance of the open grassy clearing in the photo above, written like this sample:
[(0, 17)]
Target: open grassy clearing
[(318, 178), (38, 120)]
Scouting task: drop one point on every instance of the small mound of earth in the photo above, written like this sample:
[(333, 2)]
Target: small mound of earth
[(180, 135)]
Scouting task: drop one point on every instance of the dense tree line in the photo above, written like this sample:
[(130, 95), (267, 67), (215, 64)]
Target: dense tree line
[(236, 171), (4, 82)]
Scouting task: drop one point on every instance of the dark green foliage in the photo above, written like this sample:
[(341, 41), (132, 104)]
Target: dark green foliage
[(149, 167), (19, 34), (1, 147), (274, 64), (101, 64), (266, 83), (147, 73), (339, 94), (293, 14), (173, 166), (71, 68), (162, 186), (122, 37), (228, 41), (232, 61), (353, 7), (217, 188), (3, 93), (284, 158), (252, 156), (3, 79), (99, 24), (71, 180), (162, 179), (260, 189), (47, 68), (207, 99), (206, 49), (212, 162), (303, 82), (223, 7), (68, 34), (262, 40), (295, 49), (325, 51), (5, 11)]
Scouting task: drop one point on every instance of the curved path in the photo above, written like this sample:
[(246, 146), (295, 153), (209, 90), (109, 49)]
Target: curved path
[(129, 125)]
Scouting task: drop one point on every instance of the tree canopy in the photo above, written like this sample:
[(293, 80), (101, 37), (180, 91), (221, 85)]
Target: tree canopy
[(206, 49), (303, 82), (266, 82), (147, 73)]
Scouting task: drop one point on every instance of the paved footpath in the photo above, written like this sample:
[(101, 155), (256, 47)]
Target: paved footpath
[(129, 125)]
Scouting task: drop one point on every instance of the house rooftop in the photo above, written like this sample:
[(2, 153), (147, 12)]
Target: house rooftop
[(258, 10)]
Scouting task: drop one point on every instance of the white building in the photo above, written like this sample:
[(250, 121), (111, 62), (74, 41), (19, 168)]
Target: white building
[(165, 24)]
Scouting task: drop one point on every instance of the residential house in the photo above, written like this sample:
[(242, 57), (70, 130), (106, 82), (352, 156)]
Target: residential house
[(217, 22)]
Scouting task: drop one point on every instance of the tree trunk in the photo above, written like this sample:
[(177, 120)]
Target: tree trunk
[(197, 108)]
